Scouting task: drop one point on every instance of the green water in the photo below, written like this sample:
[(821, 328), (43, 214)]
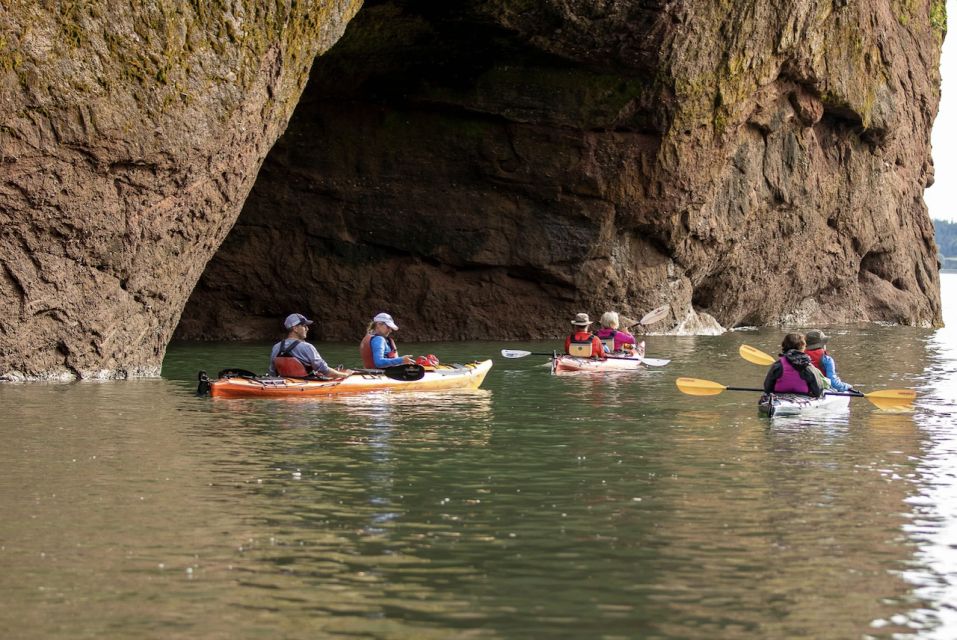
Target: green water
[(537, 507)]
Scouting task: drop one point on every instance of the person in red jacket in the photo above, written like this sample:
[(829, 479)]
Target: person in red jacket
[(583, 343)]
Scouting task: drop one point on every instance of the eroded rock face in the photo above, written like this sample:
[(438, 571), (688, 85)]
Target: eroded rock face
[(130, 137), (489, 171)]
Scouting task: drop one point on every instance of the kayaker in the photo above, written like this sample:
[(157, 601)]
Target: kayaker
[(793, 372), (820, 358), (583, 343), (615, 341), (378, 348), (293, 357)]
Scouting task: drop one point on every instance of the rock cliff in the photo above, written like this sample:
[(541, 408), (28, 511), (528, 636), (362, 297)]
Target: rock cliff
[(489, 171), (130, 135), (481, 170)]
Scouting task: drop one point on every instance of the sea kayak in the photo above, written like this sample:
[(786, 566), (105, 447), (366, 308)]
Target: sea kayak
[(617, 362), (789, 404), (439, 378)]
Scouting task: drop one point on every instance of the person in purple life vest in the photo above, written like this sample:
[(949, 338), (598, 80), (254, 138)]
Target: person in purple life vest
[(293, 357), (616, 341), (793, 372), (820, 358)]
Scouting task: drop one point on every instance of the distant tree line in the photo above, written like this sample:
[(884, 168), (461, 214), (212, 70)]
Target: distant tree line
[(946, 238)]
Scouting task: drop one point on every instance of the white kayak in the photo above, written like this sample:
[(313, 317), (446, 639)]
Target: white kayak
[(791, 404), (618, 361), (569, 364)]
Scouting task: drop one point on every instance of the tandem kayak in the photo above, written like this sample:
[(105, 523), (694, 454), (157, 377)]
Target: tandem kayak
[(790, 404), (439, 378), (617, 362)]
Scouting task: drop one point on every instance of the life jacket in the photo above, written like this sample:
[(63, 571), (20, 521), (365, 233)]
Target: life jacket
[(365, 350), (288, 365), (582, 347), (816, 355), (607, 337), (790, 380)]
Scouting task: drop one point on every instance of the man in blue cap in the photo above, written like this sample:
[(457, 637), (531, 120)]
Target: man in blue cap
[(293, 357)]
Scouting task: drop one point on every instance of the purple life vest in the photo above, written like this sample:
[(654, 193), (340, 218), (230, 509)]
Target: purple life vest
[(790, 380)]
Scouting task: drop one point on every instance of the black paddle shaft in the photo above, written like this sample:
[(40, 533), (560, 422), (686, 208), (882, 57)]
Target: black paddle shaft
[(403, 372)]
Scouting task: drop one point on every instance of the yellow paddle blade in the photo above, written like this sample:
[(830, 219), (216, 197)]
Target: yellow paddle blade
[(755, 355), (893, 399), (696, 387)]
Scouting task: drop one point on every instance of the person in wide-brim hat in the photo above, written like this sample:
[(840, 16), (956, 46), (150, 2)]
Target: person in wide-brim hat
[(583, 343), (820, 358)]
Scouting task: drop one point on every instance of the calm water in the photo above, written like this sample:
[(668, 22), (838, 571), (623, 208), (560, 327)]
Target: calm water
[(537, 507)]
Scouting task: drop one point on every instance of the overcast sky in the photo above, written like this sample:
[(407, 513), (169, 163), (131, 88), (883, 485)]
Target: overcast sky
[(942, 197)]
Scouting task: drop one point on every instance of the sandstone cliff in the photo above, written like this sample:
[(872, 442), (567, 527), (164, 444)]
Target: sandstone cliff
[(481, 170), (488, 171), (130, 135)]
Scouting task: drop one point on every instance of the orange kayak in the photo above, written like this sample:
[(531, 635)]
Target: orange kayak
[(442, 377)]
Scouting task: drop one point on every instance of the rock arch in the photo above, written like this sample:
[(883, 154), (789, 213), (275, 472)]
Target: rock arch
[(482, 172)]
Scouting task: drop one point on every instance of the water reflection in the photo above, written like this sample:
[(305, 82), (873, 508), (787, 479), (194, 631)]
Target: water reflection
[(933, 526), (539, 506)]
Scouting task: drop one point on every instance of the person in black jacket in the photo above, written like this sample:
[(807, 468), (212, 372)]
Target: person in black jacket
[(793, 372)]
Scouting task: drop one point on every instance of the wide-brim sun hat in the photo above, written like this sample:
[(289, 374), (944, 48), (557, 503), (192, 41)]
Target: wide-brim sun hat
[(581, 320), (816, 339)]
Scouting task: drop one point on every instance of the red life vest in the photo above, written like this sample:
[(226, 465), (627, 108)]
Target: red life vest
[(365, 350), (815, 355), (288, 365)]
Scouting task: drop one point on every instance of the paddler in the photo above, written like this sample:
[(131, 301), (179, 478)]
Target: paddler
[(820, 358), (583, 343), (293, 357), (378, 348), (793, 372), (616, 341)]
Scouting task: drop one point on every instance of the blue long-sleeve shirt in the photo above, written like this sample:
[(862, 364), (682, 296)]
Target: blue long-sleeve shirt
[(830, 370), (380, 346)]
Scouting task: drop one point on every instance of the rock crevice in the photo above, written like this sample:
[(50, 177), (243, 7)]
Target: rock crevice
[(489, 172)]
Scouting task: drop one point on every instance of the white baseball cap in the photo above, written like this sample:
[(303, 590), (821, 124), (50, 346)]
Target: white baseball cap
[(387, 320)]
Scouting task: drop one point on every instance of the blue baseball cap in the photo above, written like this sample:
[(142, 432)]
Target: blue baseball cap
[(296, 319)]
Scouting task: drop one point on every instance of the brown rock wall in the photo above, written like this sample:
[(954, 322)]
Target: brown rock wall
[(487, 172), (130, 137)]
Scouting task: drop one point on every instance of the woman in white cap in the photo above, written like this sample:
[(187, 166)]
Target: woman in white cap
[(293, 357), (583, 343), (377, 348), (820, 358)]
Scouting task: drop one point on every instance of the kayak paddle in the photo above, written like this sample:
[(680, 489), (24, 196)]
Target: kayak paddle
[(652, 316), (891, 399), (403, 372), (755, 355)]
